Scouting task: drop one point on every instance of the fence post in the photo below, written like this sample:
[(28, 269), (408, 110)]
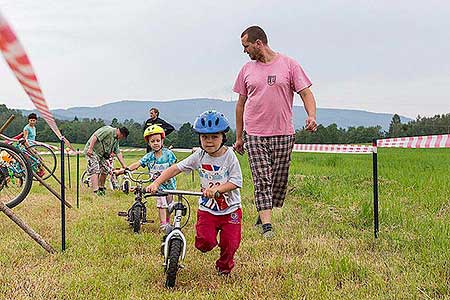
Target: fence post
[(68, 170), (375, 188), (78, 178), (63, 198)]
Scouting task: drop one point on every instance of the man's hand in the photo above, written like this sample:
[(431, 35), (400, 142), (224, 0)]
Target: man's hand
[(311, 124), (119, 172), (152, 188), (239, 146), (89, 152)]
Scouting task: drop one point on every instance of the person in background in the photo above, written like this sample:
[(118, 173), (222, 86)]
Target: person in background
[(266, 87), (156, 120), (29, 131), (98, 149)]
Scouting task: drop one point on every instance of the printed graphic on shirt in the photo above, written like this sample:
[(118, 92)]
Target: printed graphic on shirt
[(271, 79), (210, 176)]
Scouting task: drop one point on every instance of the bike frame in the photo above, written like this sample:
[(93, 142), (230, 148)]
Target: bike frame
[(176, 232)]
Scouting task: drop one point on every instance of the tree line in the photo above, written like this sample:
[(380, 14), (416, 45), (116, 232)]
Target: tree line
[(79, 130)]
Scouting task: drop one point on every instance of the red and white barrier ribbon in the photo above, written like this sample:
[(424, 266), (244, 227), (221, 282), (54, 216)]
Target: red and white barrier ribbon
[(19, 63), (429, 141), (333, 148)]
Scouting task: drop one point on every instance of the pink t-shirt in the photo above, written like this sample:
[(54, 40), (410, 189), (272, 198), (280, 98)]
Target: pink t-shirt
[(270, 94)]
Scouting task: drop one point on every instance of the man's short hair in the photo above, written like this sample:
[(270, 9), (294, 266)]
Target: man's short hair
[(124, 131), (255, 33), (32, 116), (155, 110)]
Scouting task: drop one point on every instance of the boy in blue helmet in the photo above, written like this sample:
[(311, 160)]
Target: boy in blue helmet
[(220, 174)]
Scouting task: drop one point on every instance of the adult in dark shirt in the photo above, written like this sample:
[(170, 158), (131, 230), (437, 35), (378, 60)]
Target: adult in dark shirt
[(156, 120)]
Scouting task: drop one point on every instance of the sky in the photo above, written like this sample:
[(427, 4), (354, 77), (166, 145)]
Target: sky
[(379, 56)]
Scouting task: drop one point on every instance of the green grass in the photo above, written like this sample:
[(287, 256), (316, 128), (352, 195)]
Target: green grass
[(323, 249)]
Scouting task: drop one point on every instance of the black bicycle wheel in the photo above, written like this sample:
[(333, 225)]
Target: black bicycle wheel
[(172, 263), (15, 176), (85, 179), (137, 218), (44, 162)]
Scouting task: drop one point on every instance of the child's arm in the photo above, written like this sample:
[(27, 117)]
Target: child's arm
[(131, 167), (221, 189), (25, 136), (172, 171)]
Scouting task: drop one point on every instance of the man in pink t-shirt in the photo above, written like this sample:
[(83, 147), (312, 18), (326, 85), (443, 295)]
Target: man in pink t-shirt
[(266, 87)]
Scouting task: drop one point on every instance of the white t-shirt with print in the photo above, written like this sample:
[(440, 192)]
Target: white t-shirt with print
[(216, 171)]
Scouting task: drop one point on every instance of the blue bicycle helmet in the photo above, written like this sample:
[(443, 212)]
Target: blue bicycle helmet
[(211, 121)]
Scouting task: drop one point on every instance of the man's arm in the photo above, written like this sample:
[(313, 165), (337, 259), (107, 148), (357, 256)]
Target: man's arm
[(120, 158), (91, 145), (166, 126), (240, 105), (310, 107)]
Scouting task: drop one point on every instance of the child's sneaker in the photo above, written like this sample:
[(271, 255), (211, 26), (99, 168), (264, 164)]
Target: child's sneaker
[(222, 272), (166, 228)]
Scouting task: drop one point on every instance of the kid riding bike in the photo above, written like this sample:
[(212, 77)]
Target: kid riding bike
[(156, 161), (220, 172), (137, 214)]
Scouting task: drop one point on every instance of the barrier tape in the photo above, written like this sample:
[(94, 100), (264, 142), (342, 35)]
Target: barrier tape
[(18, 61), (334, 148), (429, 141)]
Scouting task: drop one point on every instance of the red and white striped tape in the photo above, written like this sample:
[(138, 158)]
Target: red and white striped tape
[(19, 63), (429, 141), (333, 148)]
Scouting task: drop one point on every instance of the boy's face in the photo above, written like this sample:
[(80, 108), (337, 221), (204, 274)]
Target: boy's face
[(32, 122), (211, 141), (155, 142)]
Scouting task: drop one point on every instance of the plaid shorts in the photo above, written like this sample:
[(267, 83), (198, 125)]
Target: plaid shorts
[(97, 165), (269, 158)]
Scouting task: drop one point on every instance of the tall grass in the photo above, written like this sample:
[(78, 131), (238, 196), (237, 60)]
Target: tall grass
[(323, 248)]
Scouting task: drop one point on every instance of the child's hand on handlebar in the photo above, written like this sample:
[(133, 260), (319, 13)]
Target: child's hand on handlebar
[(152, 188), (211, 193)]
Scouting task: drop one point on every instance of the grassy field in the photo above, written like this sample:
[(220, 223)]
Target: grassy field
[(323, 249)]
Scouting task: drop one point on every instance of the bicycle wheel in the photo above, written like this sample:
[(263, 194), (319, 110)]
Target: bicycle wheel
[(172, 264), (43, 162), (137, 218), (85, 179), (15, 176)]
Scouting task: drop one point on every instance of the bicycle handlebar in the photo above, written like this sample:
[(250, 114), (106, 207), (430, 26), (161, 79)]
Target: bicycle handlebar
[(178, 192), (129, 175)]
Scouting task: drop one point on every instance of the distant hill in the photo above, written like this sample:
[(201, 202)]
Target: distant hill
[(178, 112)]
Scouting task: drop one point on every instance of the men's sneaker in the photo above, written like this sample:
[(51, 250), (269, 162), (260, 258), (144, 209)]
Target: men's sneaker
[(267, 231), (258, 222), (268, 234), (100, 192)]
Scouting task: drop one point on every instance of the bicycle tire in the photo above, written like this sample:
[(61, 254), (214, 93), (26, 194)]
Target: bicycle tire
[(85, 179), (48, 160), (137, 218), (175, 248), (25, 183)]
